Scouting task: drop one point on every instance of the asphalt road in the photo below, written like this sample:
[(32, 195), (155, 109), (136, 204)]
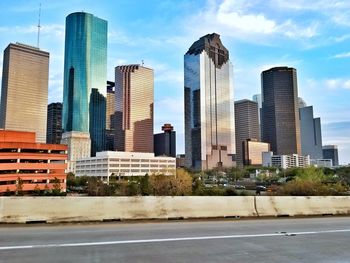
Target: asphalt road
[(318, 240)]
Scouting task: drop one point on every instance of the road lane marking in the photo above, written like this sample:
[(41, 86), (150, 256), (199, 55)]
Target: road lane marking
[(159, 240)]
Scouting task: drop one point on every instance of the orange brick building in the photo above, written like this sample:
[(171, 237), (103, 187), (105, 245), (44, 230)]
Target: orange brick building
[(36, 164)]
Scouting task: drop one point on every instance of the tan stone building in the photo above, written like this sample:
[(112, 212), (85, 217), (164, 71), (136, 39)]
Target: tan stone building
[(24, 90), (134, 85)]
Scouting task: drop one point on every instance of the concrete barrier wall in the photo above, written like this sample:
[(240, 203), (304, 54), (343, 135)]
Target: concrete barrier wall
[(70, 209), (301, 205)]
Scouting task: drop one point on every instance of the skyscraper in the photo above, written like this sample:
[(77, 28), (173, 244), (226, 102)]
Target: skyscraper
[(310, 133), (280, 113), (85, 76), (24, 90), (331, 152), (257, 99), (209, 105), (134, 86), (165, 143), (54, 123), (246, 124), (110, 116)]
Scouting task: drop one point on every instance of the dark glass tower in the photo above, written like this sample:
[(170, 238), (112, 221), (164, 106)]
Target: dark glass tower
[(54, 123), (331, 152), (246, 124), (165, 143), (85, 75), (209, 105), (280, 113)]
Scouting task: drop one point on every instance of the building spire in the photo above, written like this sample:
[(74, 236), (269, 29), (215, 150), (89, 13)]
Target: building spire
[(39, 26)]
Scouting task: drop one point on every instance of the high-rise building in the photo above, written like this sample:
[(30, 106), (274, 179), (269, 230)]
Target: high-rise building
[(54, 123), (280, 113), (134, 86), (165, 143), (246, 125), (24, 90), (257, 99), (110, 116), (331, 152), (209, 105), (310, 133), (85, 76)]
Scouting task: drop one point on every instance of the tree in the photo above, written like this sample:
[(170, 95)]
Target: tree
[(234, 174), (144, 185), (19, 186), (56, 187), (36, 190)]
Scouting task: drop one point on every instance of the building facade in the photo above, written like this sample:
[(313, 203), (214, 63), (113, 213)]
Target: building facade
[(285, 161), (322, 163), (209, 105), (134, 95), (85, 76), (310, 133), (120, 164), (331, 152), (246, 125), (24, 90), (257, 99), (252, 151), (78, 147), (54, 123), (165, 143), (110, 116), (280, 113), (27, 166)]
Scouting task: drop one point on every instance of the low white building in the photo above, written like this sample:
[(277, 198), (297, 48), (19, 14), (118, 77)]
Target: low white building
[(322, 163), (285, 161), (109, 163)]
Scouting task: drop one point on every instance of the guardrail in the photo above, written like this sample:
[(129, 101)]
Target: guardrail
[(80, 209)]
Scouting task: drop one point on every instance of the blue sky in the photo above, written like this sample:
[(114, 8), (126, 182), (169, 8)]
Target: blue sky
[(312, 36)]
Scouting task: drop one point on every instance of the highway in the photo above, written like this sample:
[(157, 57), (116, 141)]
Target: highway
[(325, 239)]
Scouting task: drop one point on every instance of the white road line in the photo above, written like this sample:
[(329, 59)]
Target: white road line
[(159, 240)]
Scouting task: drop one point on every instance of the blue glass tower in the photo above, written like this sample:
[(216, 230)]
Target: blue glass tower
[(85, 76)]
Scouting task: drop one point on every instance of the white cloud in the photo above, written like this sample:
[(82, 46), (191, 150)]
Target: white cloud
[(337, 83), (238, 19), (342, 55)]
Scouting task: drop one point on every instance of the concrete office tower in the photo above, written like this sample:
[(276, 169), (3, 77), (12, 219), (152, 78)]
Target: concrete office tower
[(280, 113), (165, 143), (246, 124), (134, 85), (209, 105), (54, 123), (85, 76), (331, 152), (310, 133), (24, 90), (110, 117)]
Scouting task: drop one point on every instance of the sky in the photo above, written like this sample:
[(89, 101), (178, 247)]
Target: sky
[(312, 36)]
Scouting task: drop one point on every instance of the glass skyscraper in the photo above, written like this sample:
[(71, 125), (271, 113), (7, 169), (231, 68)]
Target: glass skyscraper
[(85, 76), (209, 105)]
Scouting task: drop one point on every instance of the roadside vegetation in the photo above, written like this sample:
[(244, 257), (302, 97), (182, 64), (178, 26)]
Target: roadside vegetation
[(225, 182)]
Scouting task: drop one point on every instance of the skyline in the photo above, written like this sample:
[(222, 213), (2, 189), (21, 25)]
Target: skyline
[(312, 37)]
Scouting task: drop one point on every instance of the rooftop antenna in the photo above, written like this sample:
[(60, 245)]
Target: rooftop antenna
[(39, 26)]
